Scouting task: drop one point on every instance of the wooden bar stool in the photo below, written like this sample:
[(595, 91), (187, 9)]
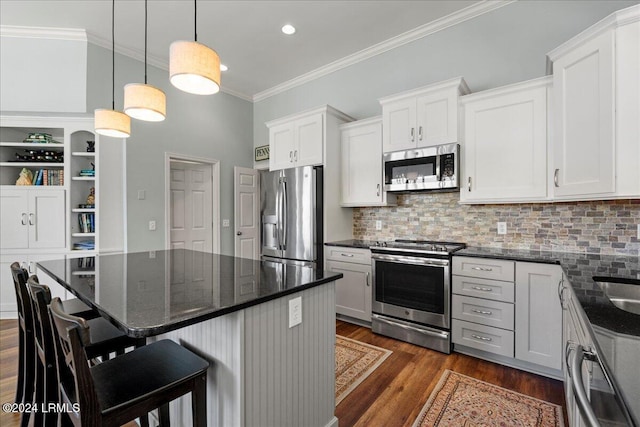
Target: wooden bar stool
[(26, 339), (128, 386), (104, 340)]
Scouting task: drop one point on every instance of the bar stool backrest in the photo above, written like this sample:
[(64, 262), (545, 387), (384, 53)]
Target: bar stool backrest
[(72, 332), (25, 313)]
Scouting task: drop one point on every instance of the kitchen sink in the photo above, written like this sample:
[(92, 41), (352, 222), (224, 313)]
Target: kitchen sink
[(623, 293)]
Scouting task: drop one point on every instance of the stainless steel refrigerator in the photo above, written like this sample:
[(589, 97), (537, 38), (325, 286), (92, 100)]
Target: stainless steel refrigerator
[(291, 213)]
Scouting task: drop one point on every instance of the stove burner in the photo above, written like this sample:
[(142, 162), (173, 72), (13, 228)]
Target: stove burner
[(419, 246)]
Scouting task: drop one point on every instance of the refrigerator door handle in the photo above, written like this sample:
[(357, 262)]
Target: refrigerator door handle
[(278, 226), (284, 215)]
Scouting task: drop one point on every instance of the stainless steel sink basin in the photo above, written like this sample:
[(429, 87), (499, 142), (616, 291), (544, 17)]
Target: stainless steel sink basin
[(623, 293)]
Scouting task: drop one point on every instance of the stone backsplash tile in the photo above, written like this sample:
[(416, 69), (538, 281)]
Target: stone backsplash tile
[(602, 227)]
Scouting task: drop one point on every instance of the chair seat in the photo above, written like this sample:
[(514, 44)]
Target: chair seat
[(133, 376), (105, 338), (76, 307)]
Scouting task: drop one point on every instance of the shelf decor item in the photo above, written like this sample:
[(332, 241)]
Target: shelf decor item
[(194, 67), (111, 122), (25, 178), (141, 100), (91, 146)]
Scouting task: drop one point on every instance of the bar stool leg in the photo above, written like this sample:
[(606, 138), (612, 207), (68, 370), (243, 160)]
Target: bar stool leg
[(163, 414), (199, 402), (21, 366)]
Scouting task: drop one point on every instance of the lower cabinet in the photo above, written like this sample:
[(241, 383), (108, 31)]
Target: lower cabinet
[(354, 290), (509, 309)]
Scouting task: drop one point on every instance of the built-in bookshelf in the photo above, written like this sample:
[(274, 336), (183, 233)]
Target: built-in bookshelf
[(83, 169)]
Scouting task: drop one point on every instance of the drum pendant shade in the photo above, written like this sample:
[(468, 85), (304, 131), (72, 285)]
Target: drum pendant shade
[(112, 123), (145, 102), (194, 68)]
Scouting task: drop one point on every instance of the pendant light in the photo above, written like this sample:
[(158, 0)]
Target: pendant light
[(194, 67), (111, 122), (143, 101)]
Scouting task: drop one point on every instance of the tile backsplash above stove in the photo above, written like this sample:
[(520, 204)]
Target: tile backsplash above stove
[(603, 227)]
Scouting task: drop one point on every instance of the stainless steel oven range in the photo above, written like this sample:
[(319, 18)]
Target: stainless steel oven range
[(412, 291)]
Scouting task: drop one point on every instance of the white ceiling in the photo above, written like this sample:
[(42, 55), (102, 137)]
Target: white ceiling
[(246, 34)]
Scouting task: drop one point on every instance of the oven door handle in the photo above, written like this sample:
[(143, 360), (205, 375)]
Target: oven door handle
[(441, 335), (577, 355), (401, 259)]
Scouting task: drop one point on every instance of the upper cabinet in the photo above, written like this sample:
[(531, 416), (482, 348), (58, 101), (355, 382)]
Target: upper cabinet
[(362, 174), (505, 143), (596, 87), (299, 140), (422, 117)]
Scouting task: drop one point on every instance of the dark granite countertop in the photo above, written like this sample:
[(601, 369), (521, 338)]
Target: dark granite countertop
[(149, 293), (353, 243)]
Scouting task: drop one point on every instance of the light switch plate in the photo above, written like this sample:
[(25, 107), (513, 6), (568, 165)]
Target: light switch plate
[(225, 222), (502, 228), (295, 312), (152, 225)]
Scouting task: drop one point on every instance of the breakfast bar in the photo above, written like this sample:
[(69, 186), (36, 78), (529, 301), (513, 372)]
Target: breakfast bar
[(267, 328)]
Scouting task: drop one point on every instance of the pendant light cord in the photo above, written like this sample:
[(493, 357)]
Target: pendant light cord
[(113, 55), (145, 41), (195, 20)]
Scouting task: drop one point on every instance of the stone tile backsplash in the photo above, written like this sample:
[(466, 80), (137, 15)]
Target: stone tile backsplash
[(602, 227)]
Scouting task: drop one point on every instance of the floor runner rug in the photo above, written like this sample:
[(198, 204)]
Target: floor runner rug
[(459, 400), (355, 361)]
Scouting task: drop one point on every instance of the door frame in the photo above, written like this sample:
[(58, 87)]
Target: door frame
[(215, 195)]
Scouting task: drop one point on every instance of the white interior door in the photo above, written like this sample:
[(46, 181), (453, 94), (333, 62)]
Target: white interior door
[(247, 215), (191, 221)]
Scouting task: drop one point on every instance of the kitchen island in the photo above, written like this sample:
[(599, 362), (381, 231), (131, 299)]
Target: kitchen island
[(235, 313)]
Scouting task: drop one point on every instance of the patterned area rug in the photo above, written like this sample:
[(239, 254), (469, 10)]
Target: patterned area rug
[(355, 361), (459, 400)]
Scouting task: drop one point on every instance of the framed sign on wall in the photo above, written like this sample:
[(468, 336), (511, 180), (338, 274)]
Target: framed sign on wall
[(262, 153)]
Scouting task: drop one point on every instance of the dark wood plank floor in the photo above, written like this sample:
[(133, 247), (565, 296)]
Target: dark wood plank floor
[(392, 396)]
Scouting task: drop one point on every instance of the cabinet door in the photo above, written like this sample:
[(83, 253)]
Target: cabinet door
[(506, 147), (399, 125), (309, 135), (353, 291), (14, 213), (281, 142), (538, 314), (583, 85), (362, 165), (437, 118), (47, 219)]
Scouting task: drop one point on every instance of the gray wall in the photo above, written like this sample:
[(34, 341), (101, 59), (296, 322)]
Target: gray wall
[(217, 127), (504, 46)]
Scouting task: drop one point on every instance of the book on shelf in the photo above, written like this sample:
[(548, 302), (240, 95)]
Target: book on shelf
[(49, 177), (86, 222), (85, 245), (40, 138)]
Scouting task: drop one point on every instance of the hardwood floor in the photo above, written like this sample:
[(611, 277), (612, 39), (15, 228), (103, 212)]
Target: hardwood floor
[(392, 396)]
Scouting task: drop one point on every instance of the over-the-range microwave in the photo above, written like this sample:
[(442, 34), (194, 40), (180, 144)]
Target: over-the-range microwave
[(428, 168)]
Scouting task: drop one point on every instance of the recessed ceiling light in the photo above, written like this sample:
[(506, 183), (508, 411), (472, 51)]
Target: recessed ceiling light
[(223, 67), (288, 29)]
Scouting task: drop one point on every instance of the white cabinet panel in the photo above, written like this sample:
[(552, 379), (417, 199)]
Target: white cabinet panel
[(437, 118), (14, 217), (298, 142), (399, 124), (281, 146), (354, 291)]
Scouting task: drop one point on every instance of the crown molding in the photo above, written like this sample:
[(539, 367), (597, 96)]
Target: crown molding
[(440, 24), (73, 34)]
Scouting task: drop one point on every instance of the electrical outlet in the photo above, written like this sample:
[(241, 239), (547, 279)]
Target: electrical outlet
[(142, 195), (225, 222), (638, 231), (295, 312), (378, 225), (152, 225), (502, 228)]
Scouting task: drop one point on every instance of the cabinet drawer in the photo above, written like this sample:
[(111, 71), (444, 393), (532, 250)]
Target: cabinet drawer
[(342, 254), (483, 311), (484, 268), (483, 288), (493, 340)]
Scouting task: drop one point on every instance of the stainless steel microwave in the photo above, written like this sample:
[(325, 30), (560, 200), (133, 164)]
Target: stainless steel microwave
[(420, 169)]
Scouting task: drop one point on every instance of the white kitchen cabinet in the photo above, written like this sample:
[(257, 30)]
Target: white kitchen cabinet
[(505, 143), (32, 218), (362, 174), (297, 142), (422, 117), (596, 82), (354, 291), (538, 314)]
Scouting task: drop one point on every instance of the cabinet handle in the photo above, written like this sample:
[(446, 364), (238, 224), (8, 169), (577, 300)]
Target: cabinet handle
[(368, 283), (469, 184), (479, 288), (31, 217), (482, 268), (29, 268), (348, 255), (481, 338), (24, 218), (378, 190), (420, 133), (295, 156), (291, 156), (555, 178), (413, 134), (488, 313), (561, 292)]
